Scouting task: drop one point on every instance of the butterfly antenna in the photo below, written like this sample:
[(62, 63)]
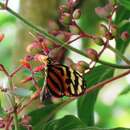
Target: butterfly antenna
[(31, 34)]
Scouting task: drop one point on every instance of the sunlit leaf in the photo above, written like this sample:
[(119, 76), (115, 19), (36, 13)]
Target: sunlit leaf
[(1, 111), (89, 21), (6, 18), (40, 116), (125, 3), (6, 100)]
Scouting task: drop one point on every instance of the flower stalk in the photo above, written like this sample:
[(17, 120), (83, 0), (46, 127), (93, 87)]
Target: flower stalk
[(15, 117)]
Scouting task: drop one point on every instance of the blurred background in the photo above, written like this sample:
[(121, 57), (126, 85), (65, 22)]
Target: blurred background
[(112, 108)]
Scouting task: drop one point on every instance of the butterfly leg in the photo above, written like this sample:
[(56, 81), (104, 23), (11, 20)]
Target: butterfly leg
[(44, 89)]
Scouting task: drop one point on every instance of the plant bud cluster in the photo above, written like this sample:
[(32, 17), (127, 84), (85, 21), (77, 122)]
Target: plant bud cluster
[(62, 29)]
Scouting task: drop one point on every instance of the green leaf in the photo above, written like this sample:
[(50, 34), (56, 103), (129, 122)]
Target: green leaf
[(89, 21), (6, 100), (125, 3), (22, 92), (68, 122), (86, 103), (2, 113), (39, 117)]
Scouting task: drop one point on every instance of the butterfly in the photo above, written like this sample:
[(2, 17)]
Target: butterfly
[(61, 80)]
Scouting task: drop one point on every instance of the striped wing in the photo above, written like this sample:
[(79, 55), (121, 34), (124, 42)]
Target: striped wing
[(64, 81)]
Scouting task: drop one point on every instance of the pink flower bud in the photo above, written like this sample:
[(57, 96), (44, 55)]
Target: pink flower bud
[(125, 35), (108, 7), (46, 44), (100, 11), (81, 66), (114, 29), (109, 35), (77, 14), (65, 18), (25, 120), (103, 29), (92, 54), (1, 37), (73, 3), (2, 123), (29, 48), (69, 62), (104, 11), (61, 36), (99, 41), (52, 25), (74, 29), (63, 9), (25, 63), (41, 58)]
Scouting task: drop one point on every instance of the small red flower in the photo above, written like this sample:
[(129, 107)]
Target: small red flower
[(39, 68), (125, 35), (26, 120), (1, 37), (25, 63)]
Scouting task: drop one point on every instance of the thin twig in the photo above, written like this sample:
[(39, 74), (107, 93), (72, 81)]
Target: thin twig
[(15, 118), (16, 70), (2, 68)]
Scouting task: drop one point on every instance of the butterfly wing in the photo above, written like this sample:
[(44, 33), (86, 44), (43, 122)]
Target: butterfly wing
[(60, 81), (55, 81), (64, 81)]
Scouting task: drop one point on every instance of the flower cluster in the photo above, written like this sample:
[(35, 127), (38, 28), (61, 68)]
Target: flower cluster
[(63, 29)]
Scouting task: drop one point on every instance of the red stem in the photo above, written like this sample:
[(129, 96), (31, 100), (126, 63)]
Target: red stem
[(74, 39), (10, 118), (16, 70), (101, 84)]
